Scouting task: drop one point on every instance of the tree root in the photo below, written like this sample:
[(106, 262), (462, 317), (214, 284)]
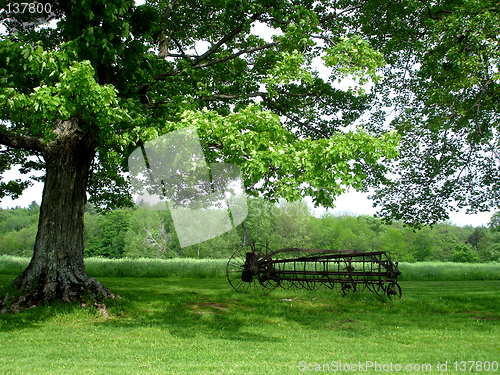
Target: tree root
[(89, 291)]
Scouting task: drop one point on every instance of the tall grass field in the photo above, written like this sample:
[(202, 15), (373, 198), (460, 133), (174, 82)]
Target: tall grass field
[(181, 316), (185, 267)]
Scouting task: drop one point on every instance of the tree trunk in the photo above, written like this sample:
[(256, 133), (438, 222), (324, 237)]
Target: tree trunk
[(57, 270)]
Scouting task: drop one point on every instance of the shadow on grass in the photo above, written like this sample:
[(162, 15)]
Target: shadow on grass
[(189, 308)]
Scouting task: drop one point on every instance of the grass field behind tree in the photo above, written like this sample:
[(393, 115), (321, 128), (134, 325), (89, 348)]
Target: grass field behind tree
[(182, 267), (189, 321)]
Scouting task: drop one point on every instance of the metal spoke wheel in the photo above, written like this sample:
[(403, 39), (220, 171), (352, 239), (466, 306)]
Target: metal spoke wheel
[(393, 290), (242, 270)]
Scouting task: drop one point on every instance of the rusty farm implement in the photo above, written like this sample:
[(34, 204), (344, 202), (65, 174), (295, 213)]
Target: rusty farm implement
[(253, 267)]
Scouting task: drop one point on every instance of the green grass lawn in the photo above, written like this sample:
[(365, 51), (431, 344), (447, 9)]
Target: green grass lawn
[(195, 325)]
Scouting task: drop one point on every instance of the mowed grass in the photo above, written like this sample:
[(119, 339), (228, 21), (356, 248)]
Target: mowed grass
[(194, 325)]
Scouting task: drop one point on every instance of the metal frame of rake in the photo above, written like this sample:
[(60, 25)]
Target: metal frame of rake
[(253, 267)]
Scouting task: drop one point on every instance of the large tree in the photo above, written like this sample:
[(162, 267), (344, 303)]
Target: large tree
[(77, 99), (441, 86)]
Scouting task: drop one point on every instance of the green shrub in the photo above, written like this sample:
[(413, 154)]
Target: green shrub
[(491, 253), (463, 253)]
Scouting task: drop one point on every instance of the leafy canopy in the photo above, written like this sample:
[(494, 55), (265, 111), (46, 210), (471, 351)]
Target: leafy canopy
[(441, 86), (132, 73)]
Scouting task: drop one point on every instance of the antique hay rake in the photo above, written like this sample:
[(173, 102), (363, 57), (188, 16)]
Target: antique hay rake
[(252, 267)]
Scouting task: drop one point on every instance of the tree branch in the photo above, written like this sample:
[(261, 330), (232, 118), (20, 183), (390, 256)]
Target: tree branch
[(335, 15), (160, 77), (164, 41), (182, 54), (198, 59), (235, 55), (436, 15), (232, 96), (294, 119), (226, 39), (212, 98), (317, 94), (21, 141), (255, 94)]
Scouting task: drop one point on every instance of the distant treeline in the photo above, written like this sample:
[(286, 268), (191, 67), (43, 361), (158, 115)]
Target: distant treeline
[(139, 232)]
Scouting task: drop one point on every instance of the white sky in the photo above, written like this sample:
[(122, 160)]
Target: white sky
[(351, 202)]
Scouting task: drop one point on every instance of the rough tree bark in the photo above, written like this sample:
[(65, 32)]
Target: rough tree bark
[(57, 270)]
